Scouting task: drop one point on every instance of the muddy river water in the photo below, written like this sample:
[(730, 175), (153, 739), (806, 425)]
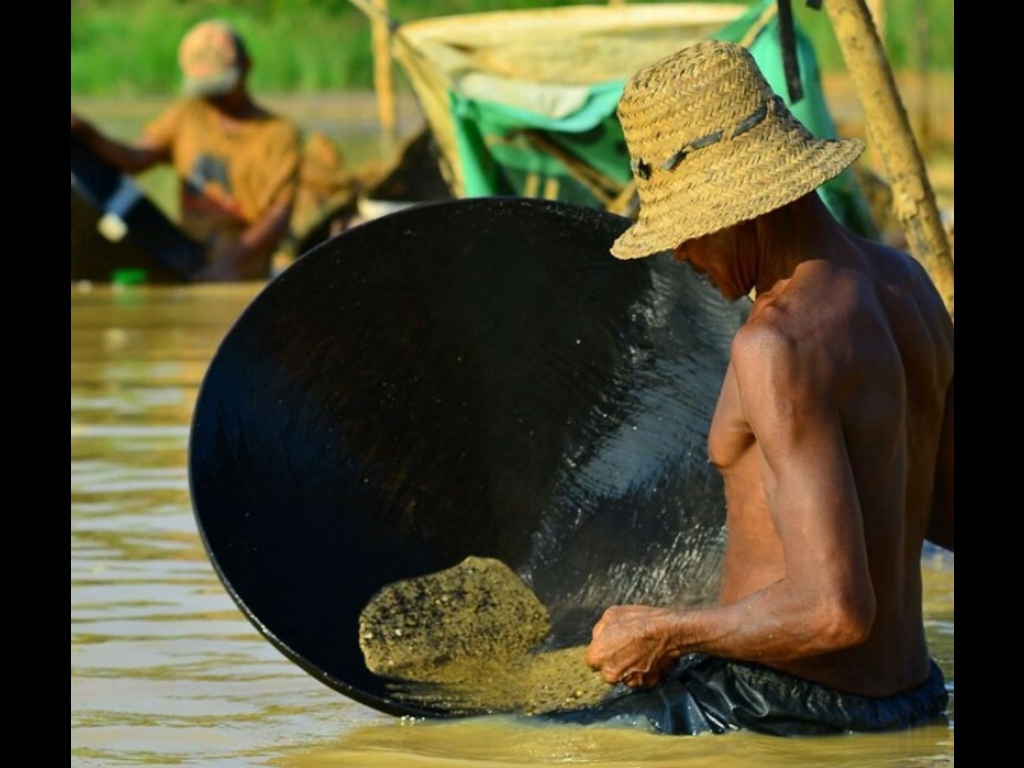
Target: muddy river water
[(165, 670)]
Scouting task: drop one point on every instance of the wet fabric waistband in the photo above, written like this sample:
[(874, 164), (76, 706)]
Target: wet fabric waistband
[(711, 694)]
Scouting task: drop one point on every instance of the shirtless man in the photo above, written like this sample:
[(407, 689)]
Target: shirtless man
[(833, 430)]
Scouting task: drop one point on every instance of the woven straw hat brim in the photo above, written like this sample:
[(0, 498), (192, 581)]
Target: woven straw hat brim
[(731, 182)]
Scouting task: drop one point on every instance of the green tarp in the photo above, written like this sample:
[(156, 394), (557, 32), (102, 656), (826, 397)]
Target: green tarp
[(572, 149)]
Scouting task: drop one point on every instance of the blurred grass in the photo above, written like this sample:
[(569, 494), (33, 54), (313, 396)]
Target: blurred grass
[(128, 47)]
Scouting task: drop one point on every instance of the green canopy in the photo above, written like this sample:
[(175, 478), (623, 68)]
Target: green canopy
[(523, 102)]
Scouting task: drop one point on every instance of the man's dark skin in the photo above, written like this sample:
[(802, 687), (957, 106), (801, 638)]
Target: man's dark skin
[(834, 436)]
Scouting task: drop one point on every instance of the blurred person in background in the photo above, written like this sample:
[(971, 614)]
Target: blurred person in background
[(237, 163)]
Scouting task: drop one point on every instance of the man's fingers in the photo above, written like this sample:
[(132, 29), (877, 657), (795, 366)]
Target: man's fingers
[(611, 676)]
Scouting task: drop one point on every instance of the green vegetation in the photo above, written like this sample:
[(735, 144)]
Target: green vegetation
[(128, 47)]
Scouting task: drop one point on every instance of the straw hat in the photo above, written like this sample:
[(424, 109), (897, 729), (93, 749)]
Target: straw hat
[(711, 146)]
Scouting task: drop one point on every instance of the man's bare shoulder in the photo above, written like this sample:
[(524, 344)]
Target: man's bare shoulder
[(766, 333), (770, 353), (809, 338), (791, 325)]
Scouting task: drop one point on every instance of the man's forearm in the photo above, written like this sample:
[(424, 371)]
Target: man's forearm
[(260, 239), (126, 157), (248, 255), (779, 623), (774, 624)]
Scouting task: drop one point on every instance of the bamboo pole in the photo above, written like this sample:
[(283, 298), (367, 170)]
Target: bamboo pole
[(383, 81), (890, 132), (878, 9)]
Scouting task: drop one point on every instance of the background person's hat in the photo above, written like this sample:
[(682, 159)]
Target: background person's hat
[(711, 146), (212, 59)]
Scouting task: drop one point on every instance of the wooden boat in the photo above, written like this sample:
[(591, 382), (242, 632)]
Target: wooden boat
[(118, 233)]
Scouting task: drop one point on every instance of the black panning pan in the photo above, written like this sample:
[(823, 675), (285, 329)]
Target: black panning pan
[(471, 377)]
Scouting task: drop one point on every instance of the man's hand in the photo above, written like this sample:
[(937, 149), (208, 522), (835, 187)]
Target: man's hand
[(630, 645), (246, 255)]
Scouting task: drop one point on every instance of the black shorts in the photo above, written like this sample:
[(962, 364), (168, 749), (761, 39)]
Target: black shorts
[(709, 694)]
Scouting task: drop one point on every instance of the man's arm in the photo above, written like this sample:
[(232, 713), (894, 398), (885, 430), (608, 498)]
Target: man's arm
[(825, 600), (249, 255), (940, 527), (130, 158), (252, 250)]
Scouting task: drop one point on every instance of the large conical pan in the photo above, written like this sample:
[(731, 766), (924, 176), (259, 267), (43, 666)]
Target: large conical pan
[(467, 378)]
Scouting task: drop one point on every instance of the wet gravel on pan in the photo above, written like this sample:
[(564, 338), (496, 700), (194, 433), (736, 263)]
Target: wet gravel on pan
[(462, 640)]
